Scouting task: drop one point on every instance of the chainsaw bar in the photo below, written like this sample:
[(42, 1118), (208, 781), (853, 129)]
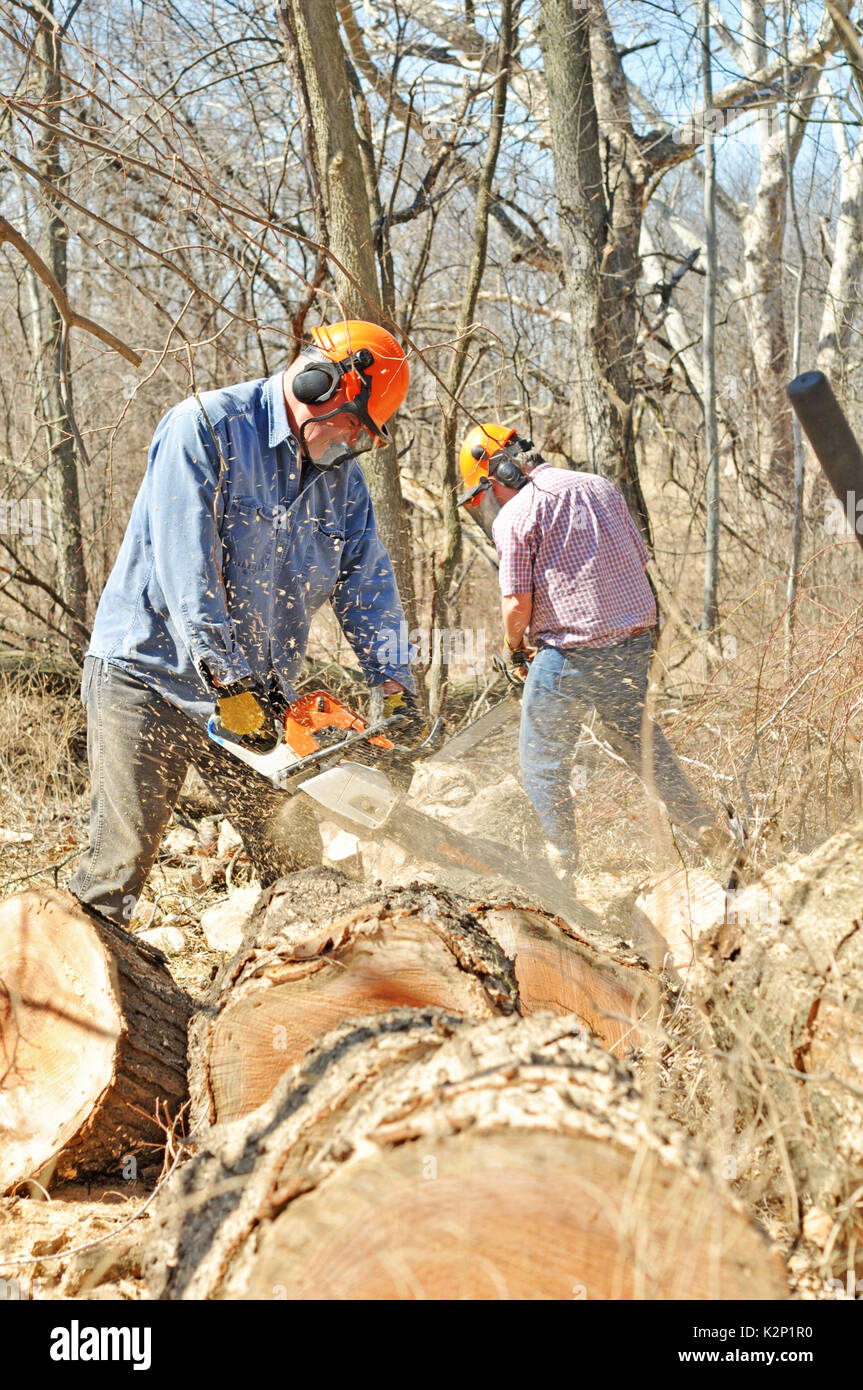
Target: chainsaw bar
[(495, 718)]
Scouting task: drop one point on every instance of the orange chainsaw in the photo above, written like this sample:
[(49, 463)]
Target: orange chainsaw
[(358, 775), (317, 734)]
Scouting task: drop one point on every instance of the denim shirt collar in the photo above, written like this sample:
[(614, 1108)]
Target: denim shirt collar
[(277, 413)]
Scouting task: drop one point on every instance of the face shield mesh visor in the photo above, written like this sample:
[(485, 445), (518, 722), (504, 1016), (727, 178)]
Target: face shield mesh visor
[(330, 446)]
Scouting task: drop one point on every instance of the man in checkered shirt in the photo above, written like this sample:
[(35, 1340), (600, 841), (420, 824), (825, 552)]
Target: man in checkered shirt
[(572, 575)]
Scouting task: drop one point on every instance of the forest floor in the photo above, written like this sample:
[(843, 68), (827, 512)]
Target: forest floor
[(201, 866)]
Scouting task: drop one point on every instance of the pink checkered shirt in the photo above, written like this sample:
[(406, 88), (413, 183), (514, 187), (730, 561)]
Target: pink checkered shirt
[(568, 539)]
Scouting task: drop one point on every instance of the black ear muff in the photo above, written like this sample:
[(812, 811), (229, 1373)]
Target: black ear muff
[(507, 472), (313, 385)]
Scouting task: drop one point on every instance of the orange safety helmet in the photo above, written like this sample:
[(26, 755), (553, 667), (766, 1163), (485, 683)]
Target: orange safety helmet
[(388, 372), (480, 444)]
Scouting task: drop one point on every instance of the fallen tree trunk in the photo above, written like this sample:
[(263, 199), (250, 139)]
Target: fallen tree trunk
[(781, 983), (602, 980), (92, 1042), (416, 1154), (320, 949)]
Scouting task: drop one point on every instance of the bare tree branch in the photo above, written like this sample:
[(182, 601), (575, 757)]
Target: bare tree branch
[(70, 317)]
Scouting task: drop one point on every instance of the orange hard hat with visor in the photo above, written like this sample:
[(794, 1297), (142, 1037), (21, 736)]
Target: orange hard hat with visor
[(368, 362)]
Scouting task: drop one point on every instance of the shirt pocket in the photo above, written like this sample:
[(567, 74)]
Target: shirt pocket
[(323, 560), (249, 533)]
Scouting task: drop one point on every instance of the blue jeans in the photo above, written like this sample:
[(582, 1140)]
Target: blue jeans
[(561, 689)]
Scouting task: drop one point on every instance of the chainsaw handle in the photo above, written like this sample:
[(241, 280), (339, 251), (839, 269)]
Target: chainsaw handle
[(516, 686)]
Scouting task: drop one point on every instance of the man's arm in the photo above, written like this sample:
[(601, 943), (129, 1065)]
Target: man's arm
[(516, 610), (366, 599), (184, 507), (514, 537)]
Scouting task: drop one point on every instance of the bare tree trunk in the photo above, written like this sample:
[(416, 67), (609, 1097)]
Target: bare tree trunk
[(842, 301), (763, 230), (447, 565), (710, 611), (315, 28), (797, 331), (763, 238), (628, 171), (598, 237), (54, 382), (565, 41)]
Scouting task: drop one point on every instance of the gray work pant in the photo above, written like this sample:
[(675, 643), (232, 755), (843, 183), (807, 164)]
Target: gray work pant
[(139, 747)]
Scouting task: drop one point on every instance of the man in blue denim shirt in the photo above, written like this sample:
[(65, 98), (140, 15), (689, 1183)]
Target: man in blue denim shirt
[(252, 513)]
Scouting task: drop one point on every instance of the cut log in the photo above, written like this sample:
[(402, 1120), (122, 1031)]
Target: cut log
[(92, 1041), (782, 985), (419, 1155), (320, 949), (602, 980)]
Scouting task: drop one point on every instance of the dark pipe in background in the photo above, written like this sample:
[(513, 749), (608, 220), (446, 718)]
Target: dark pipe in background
[(833, 444)]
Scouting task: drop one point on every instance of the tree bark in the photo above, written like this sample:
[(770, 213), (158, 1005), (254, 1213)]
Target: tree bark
[(420, 1155), (53, 378), (842, 299), (92, 1042), (628, 172), (599, 257), (320, 949), (763, 230), (315, 27), (565, 42)]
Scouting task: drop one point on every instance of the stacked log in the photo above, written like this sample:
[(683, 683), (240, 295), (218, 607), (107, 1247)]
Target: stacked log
[(418, 1154), (320, 949), (92, 1042)]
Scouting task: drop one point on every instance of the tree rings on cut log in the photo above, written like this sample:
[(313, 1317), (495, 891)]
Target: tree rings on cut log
[(318, 952), (92, 1041), (418, 1155), (601, 980)]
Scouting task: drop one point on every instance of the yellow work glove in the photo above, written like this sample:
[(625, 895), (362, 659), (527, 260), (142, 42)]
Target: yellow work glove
[(242, 714), (402, 702)]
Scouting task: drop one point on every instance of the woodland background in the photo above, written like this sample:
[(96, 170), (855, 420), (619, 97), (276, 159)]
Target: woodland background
[(581, 218)]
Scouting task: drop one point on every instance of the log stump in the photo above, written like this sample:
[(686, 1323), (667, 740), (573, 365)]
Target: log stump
[(92, 1041), (781, 983), (416, 1154), (320, 949)]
